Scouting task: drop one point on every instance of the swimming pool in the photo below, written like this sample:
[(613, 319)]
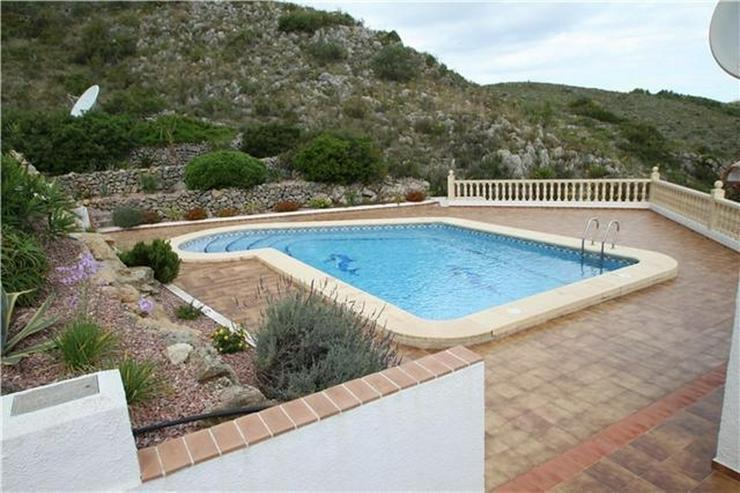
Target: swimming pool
[(437, 282), (434, 271)]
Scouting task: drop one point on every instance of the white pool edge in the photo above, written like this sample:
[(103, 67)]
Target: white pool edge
[(489, 324)]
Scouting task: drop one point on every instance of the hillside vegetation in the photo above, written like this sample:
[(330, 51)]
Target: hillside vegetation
[(242, 66)]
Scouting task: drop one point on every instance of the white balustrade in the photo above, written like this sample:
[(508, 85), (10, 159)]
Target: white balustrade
[(708, 211)]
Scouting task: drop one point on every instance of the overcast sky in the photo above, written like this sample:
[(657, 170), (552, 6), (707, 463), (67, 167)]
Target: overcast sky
[(609, 45)]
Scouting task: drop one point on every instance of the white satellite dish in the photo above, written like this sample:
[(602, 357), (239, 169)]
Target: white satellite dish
[(724, 36), (86, 101)]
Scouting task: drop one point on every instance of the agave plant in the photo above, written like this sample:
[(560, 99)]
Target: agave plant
[(37, 323)]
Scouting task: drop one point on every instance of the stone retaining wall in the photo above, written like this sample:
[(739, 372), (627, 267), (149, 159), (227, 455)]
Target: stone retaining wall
[(127, 181), (172, 205)]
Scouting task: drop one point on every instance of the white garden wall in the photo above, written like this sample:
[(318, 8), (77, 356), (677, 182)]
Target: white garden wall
[(728, 441), (426, 437)]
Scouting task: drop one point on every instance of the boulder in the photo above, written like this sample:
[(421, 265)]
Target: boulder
[(98, 246), (123, 293), (238, 396), (211, 366), (178, 353)]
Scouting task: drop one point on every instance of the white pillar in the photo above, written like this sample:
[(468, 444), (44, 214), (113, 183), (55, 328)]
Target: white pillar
[(728, 440), (654, 177), (451, 185), (73, 435), (716, 193)]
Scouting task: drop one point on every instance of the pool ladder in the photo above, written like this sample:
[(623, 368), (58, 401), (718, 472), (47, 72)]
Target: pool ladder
[(595, 220)]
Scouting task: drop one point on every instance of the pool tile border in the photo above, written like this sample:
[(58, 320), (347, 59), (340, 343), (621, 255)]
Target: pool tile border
[(175, 454), (489, 324)]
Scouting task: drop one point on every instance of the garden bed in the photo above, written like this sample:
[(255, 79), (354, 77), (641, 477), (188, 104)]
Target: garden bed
[(180, 395)]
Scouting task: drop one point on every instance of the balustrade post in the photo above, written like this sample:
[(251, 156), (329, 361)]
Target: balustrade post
[(716, 193), (451, 185), (654, 178)]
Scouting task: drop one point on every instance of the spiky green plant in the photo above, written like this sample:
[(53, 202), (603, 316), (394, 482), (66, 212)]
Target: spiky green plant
[(85, 345), (139, 379), (37, 323)]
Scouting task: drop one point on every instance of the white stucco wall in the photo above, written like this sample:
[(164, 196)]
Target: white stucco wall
[(728, 441), (82, 444), (426, 437)]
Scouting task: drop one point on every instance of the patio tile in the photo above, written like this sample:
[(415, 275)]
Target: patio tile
[(201, 446), (606, 361)]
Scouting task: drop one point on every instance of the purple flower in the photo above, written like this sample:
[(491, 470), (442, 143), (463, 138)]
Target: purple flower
[(146, 305), (78, 272)]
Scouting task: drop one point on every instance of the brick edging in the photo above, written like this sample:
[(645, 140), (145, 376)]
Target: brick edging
[(572, 462), (209, 443)]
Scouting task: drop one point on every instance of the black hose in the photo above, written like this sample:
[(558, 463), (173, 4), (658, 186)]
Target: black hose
[(198, 417)]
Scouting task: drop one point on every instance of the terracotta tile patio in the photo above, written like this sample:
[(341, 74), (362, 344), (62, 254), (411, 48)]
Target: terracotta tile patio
[(556, 386)]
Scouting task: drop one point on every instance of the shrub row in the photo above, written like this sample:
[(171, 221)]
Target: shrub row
[(57, 143)]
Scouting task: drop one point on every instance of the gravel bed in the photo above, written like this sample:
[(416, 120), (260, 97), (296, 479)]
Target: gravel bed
[(181, 394)]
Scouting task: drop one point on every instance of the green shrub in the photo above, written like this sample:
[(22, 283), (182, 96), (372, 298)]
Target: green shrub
[(326, 52), (58, 143), (158, 255), (429, 126), (309, 20), (127, 217), (139, 380), (389, 37), (188, 312), (104, 43), (29, 200), (307, 343), (84, 345), (543, 173), (355, 108), (228, 341), (224, 169), (320, 203), (269, 139), (23, 264), (340, 158), (134, 101), (38, 322), (395, 62), (489, 168), (175, 129), (149, 183), (645, 142), (597, 171), (590, 108)]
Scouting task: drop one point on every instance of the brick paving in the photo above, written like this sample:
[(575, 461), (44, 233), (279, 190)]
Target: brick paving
[(557, 385)]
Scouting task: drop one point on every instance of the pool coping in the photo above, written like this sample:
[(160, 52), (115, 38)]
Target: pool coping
[(485, 325)]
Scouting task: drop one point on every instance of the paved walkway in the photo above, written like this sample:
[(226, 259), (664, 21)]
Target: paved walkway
[(559, 384)]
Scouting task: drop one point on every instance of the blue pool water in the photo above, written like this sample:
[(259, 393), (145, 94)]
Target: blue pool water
[(434, 271)]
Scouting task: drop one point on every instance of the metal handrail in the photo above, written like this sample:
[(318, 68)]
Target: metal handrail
[(613, 222), (585, 233)]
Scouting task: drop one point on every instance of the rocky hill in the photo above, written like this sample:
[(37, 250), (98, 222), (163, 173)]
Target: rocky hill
[(244, 63)]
